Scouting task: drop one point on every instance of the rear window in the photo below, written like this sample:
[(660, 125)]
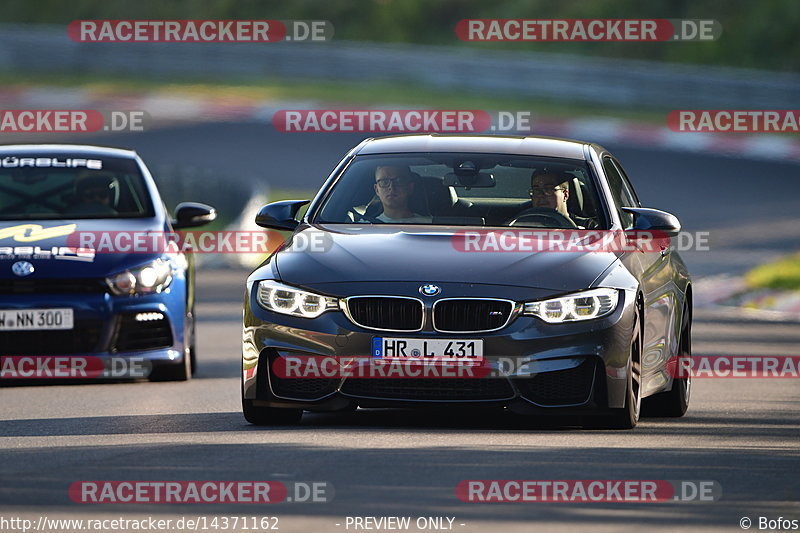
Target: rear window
[(46, 187)]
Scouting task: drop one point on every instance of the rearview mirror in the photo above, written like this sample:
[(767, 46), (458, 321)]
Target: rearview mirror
[(469, 180), (646, 219), (192, 215), (280, 215)]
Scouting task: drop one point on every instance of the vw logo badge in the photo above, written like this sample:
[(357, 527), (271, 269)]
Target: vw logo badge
[(22, 268), (430, 290)]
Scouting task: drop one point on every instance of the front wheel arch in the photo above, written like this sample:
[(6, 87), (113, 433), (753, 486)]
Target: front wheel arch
[(629, 414)]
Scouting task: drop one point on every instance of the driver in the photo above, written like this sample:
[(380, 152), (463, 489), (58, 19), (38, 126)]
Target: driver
[(94, 194), (550, 189), (394, 187)]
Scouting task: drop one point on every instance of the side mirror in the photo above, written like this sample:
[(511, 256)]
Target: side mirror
[(280, 215), (646, 219), (192, 215)]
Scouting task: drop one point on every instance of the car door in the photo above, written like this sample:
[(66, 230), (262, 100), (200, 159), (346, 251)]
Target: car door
[(656, 279)]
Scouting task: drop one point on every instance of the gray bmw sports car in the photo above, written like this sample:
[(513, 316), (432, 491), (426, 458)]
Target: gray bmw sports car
[(481, 271)]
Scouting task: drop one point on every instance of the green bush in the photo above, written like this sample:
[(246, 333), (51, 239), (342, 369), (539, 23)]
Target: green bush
[(782, 274)]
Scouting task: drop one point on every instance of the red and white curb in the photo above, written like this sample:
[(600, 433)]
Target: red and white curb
[(174, 107)]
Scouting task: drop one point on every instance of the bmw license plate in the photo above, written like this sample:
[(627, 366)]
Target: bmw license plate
[(468, 350), (35, 319)]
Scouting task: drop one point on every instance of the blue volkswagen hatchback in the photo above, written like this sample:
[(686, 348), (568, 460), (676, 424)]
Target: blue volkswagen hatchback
[(59, 299)]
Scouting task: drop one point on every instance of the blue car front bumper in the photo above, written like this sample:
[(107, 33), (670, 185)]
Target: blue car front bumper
[(150, 327)]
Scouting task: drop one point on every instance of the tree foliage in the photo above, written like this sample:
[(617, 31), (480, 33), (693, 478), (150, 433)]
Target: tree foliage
[(755, 34)]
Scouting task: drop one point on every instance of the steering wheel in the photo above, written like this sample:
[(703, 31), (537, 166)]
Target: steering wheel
[(358, 217), (542, 217)]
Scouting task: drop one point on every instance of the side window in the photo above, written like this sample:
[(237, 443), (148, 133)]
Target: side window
[(627, 184), (620, 192)]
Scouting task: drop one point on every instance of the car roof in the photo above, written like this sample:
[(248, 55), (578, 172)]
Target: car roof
[(500, 144), (73, 149)]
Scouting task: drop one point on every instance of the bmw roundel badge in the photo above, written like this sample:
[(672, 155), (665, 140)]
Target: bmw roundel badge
[(430, 289)]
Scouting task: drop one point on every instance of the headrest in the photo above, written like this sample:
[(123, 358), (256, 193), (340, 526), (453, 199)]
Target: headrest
[(575, 199), (418, 201), (439, 195)]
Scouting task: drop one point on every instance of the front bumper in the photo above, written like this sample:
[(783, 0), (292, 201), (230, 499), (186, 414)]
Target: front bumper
[(538, 367), (149, 327)]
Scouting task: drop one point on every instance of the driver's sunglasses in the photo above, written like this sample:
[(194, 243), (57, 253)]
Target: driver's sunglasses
[(397, 182), (544, 190)]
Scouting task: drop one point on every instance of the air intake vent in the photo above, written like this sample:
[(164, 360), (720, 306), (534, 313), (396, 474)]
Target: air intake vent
[(471, 315), (386, 313), (81, 340), (430, 389), (143, 334), (53, 286)]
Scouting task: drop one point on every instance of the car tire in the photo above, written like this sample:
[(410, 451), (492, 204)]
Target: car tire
[(675, 402), (184, 370), (180, 372), (628, 416), (270, 416), (193, 344)]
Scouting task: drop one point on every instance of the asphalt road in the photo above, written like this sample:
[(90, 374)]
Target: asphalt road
[(740, 433)]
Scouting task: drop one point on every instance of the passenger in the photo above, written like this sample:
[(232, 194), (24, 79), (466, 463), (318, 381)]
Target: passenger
[(394, 187)]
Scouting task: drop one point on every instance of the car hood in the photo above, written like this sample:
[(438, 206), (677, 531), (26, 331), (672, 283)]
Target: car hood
[(49, 245), (364, 253)]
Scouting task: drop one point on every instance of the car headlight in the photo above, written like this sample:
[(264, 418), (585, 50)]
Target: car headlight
[(584, 305), (288, 300), (151, 278)]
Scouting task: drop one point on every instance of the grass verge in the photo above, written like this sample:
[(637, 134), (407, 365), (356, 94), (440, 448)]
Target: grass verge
[(782, 274)]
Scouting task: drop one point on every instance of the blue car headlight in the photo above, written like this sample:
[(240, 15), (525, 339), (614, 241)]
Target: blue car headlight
[(150, 278), (288, 300), (584, 305)]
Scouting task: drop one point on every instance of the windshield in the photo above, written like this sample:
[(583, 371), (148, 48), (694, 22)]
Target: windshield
[(47, 187), (464, 190)]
